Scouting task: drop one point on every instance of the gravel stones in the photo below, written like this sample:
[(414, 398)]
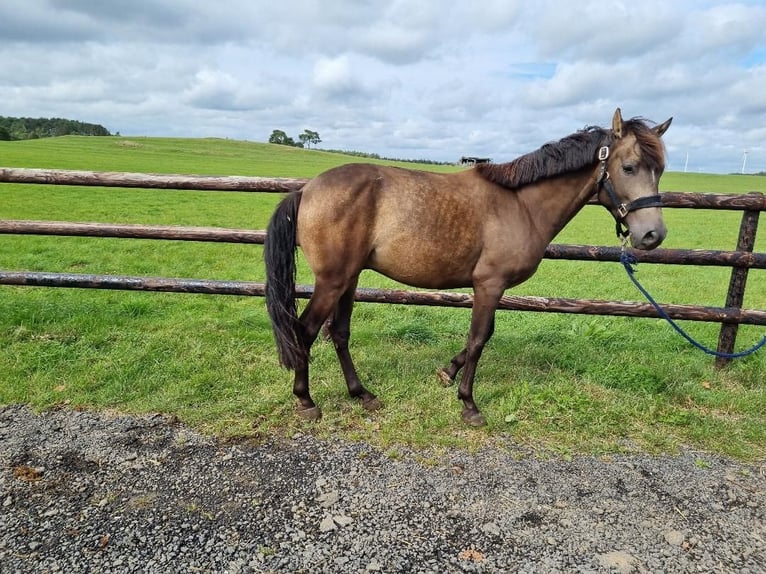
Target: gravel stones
[(97, 492)]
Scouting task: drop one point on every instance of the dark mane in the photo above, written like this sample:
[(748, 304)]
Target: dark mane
[(569, 154)]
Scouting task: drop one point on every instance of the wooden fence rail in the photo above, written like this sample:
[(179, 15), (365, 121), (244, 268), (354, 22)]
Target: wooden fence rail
[(731, 315), (150, 180), (749, 201), (743, 259), (395, 296)]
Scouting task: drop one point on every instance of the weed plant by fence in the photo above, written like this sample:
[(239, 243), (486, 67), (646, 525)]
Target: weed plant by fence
[(730, 315)]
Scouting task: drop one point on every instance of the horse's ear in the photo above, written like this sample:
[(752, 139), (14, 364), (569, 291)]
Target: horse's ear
[(662, 128), (617, 123)]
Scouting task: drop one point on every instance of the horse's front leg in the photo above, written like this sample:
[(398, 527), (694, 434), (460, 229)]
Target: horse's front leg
[(447, 374), (482, 327)]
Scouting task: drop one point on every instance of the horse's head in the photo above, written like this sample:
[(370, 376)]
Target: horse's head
[(628, 184)]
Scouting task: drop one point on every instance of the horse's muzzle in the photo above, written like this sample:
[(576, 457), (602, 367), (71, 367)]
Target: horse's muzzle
[(649, 239)]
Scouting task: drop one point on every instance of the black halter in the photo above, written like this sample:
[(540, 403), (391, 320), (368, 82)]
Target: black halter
[(618, 209)]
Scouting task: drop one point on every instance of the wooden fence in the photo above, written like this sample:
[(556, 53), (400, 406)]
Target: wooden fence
[(730, 315)]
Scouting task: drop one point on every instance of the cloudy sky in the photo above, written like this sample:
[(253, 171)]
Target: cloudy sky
[(412, 78)]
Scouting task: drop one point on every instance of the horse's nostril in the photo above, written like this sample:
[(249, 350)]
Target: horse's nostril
[(651, 239)]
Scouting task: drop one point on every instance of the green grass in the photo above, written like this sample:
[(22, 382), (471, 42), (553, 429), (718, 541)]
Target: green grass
[(176, 155), (562, 382)]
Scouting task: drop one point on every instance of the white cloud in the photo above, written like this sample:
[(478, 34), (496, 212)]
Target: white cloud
[(334, 75), (732, 25), (606, 32), (217, 90)]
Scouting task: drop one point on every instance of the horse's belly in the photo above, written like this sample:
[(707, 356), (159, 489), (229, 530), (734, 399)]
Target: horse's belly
[(423, 265)]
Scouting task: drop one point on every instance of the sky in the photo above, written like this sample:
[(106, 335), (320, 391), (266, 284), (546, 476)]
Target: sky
[(412, 79)]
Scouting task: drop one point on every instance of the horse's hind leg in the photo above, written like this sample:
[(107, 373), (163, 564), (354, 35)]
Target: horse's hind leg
[(321, 304), (340, 330)]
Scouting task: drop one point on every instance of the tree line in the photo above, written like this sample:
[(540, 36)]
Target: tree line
[(34, 128), (306, 139)]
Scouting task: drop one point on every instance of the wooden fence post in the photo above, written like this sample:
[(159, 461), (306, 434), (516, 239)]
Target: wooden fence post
[(736, 294)]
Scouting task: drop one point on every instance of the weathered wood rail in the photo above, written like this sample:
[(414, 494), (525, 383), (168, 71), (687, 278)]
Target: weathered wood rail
[(224, 235), (731, 315), (150, 180)]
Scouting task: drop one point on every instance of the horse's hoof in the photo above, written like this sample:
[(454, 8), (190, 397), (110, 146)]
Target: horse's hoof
[(372, 404), (474, 418), (310, 414), (444, 378)]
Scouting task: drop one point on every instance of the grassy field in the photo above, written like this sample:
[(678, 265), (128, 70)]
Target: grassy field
[(563, 382)]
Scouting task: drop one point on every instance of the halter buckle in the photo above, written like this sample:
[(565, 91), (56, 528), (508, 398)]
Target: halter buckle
[(623, 210), (603, 153)]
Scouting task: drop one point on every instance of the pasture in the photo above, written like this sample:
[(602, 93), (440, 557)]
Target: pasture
[(563, 382)]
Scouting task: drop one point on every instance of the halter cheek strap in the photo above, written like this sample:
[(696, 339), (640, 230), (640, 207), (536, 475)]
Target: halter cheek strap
[(617, 208)]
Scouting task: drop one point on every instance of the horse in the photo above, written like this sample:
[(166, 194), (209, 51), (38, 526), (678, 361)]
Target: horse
[(486, 227)]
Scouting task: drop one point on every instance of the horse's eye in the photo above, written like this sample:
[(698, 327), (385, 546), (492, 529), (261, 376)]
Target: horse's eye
[(628, 169)]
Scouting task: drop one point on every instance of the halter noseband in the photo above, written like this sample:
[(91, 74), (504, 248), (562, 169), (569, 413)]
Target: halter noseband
[(618, 209)]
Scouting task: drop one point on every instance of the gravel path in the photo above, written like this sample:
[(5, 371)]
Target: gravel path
[(94, 492)]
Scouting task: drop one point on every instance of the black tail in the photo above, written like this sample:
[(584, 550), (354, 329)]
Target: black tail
[(279, 254)]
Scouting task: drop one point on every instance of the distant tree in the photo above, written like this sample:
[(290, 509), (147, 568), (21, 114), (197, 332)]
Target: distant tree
[(281, 138), (309, 137), (306, 139), (4, 134), (18, 129)]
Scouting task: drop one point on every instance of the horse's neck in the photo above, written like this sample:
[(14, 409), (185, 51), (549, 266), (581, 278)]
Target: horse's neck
[(552, 203)]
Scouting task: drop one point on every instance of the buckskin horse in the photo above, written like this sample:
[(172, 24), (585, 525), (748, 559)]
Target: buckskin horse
[(485, 228)]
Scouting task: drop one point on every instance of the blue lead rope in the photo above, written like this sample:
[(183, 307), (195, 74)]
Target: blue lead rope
[(628, 261)]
